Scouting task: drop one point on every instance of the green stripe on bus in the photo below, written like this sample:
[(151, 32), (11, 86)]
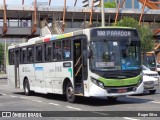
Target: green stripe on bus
[(120, 82)]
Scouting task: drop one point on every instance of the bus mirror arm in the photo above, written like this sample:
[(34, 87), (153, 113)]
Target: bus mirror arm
[(89, 53)]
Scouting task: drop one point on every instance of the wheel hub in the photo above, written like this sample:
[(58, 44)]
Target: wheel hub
[(70, 92)]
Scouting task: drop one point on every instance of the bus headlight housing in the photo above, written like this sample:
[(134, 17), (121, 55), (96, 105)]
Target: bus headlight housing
[(97, 82)]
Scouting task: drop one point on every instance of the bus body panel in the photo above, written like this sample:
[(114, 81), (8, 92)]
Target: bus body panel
[(49, 76), (27, 71), (39, 78)]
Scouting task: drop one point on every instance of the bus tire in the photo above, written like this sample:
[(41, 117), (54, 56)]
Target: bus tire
[(152, 91), (70, 93), (27, 87)]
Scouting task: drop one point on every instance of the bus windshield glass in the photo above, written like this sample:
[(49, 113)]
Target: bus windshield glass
[(115, 55)]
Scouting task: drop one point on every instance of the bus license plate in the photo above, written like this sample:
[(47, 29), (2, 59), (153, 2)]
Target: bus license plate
[(122, 90)]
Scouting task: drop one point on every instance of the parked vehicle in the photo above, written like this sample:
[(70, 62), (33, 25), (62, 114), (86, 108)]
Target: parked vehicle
[(158, 68), (150, 80)]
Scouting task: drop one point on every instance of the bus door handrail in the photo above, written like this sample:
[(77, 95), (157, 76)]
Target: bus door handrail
[(78, 70), (78, 61)]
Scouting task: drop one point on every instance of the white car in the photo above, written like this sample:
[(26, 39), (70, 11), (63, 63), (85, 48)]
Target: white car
[(158, 68), (150, 80)]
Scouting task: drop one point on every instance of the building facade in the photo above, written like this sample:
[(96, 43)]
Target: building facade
[(88, 3), (135, 4)]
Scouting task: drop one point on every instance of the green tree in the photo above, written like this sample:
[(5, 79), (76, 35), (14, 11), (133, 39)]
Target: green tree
[(1, 53), (146, 35), (109, 5)]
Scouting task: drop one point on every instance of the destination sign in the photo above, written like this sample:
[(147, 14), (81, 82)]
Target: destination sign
[(113, 33)]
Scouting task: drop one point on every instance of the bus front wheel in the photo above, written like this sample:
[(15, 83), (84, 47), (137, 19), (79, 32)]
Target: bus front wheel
[(26, 87), (70, 93)]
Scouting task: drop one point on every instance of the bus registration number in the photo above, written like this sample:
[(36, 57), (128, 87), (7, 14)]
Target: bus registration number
[(123, 90)]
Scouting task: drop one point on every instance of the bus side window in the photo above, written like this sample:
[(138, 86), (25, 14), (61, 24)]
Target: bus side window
[(39, 53), (58, 51), (11, 57), (66, 49), (30, 56), (23, 55), (48, 50), (53, 52)]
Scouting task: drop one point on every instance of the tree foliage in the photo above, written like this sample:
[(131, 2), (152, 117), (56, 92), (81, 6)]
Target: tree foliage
[(1, 53), (146, 35), (109, 5)]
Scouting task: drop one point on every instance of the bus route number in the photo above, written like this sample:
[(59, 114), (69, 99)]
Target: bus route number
[(101, 33)]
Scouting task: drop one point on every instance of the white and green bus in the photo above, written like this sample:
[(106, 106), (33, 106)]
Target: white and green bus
[(94, 62)]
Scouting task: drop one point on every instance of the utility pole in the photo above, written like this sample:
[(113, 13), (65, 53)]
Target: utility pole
[(102, 13), (5, 47)]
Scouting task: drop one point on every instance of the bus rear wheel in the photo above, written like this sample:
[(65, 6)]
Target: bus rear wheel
[(70, 93), (27, 87)]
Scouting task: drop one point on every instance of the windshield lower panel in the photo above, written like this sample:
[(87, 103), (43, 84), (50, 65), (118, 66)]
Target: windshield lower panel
[(107, 55)]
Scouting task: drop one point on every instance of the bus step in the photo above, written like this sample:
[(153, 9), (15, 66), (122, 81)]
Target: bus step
[(78, 89), (80, 94), (78, 84)]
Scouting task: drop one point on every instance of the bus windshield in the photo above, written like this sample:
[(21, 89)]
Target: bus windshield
[(115, 55)]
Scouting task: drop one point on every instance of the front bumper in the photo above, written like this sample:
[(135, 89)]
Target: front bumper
[(96, 91)]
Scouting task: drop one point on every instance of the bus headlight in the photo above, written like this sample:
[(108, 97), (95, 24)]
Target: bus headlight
[(97, 82)]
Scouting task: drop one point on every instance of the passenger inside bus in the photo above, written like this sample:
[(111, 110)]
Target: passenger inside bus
[(128, 61), (66, 53)]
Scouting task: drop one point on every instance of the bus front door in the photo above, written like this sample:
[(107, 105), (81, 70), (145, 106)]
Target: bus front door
[(78, 66), (17, 60)]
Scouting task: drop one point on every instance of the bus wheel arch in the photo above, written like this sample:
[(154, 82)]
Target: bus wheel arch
[(68, 90), (26, 86), (66, 80)]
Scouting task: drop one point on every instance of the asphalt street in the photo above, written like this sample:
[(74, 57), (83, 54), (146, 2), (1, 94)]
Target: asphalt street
[(84, 108)]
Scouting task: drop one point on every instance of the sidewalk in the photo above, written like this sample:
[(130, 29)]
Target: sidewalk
[(3, 76)]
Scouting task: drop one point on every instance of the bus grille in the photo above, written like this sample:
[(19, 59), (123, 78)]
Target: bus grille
[(121, 90)]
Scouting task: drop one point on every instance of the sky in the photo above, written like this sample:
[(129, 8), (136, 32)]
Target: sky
[(53, 2)]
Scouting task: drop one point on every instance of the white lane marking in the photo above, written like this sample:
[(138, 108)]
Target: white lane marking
[(13, 96), (3, 94), (36, 101), (128, 118), (101, 113), (73, 108), (54, 104), (155, 102)]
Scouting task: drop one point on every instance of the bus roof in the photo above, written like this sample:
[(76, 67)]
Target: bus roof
[(52, 37)]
